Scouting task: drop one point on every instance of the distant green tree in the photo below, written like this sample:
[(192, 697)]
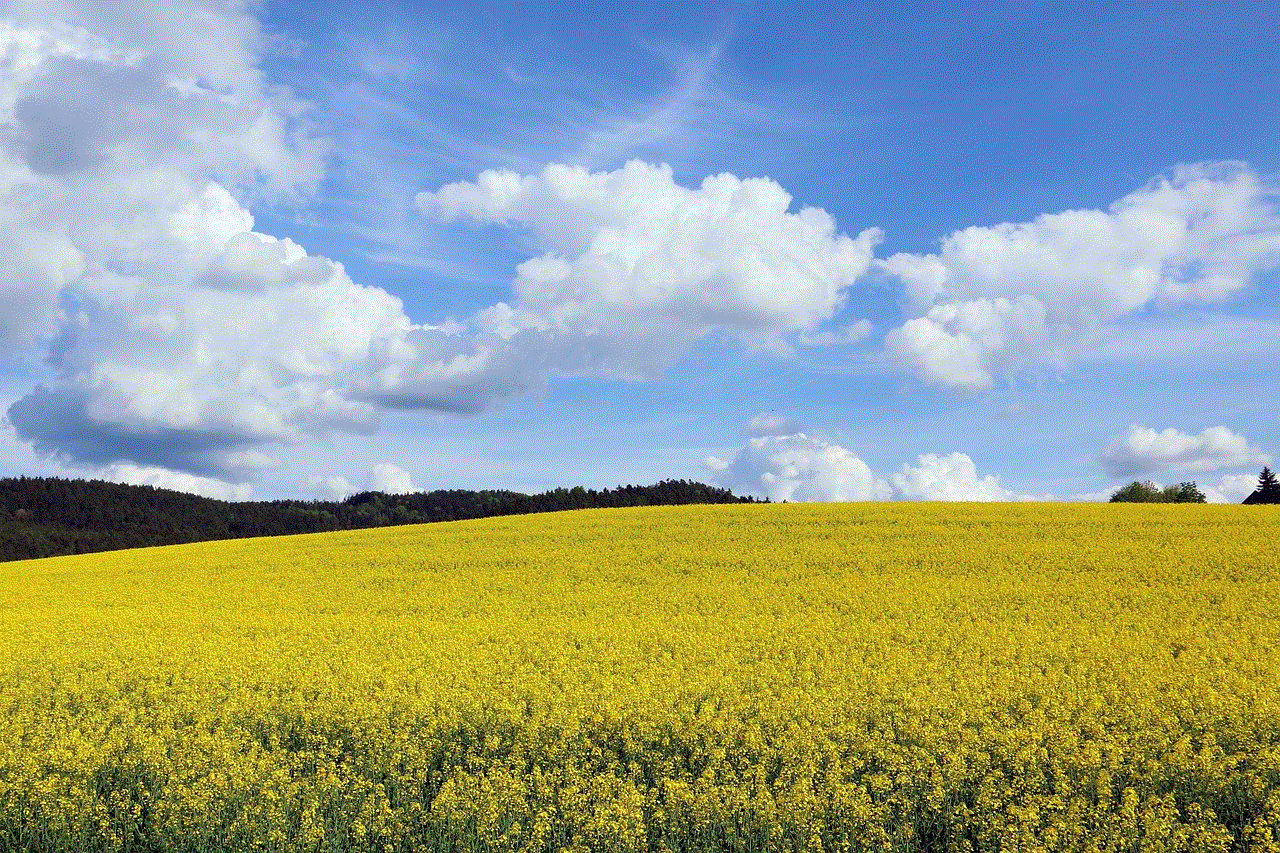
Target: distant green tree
[(1182, 493), (1137, 492), (1148, 492)]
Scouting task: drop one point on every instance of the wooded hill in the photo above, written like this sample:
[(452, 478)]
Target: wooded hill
[(48, 516)]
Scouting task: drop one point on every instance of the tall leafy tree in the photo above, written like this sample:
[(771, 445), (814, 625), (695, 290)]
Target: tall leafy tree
[(1137, 492), (1183, 493)]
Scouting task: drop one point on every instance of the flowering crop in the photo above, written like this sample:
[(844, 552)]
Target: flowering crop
[(729, 678)]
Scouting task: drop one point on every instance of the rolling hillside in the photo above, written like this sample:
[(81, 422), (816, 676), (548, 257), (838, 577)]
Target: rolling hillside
[(44, 517), (714, 678)]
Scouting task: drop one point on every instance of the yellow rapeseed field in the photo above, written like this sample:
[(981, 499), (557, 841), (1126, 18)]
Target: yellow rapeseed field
[(880, 677)]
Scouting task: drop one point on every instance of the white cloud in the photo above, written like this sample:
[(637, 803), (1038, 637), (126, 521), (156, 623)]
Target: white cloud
[(178, 337), (391, 479), (998, 300), (1143, 450), (162, 478), (198, 374), (635, 270), (767, 423), (1231, 488), (332, 488), (383, 477), (217, 44), (797, 468), (953, 477), (636, 267), (793, 466)]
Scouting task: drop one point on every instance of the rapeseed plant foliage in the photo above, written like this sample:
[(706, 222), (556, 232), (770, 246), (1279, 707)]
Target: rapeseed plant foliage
[(825, 678)]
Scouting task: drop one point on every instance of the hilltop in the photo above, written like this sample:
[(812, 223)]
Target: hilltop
[(51, 516), (788, 678)]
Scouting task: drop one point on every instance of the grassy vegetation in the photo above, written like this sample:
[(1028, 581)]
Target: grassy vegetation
[(736, 678)]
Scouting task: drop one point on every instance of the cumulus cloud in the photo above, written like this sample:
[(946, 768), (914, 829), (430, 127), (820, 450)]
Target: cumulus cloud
[(797, 468), (384, 477), (953, 477), (390, 479), (331, 488), (162, 478), (197, 375), (178, 337), (1142, 450), (636, 267), (998, 300), (1231, 488)]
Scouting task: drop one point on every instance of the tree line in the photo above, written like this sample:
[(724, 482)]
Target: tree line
[(52, 516), (1268, 492)]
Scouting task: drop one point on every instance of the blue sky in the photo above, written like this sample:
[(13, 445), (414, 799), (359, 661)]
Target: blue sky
[(807, 251)]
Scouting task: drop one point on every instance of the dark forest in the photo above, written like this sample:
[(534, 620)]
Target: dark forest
[(48, 516)]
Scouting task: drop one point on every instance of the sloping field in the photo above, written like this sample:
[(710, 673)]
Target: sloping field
[(746, 678)]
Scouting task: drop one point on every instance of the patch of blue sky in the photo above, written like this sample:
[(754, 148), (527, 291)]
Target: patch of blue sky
[(921, 120)]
